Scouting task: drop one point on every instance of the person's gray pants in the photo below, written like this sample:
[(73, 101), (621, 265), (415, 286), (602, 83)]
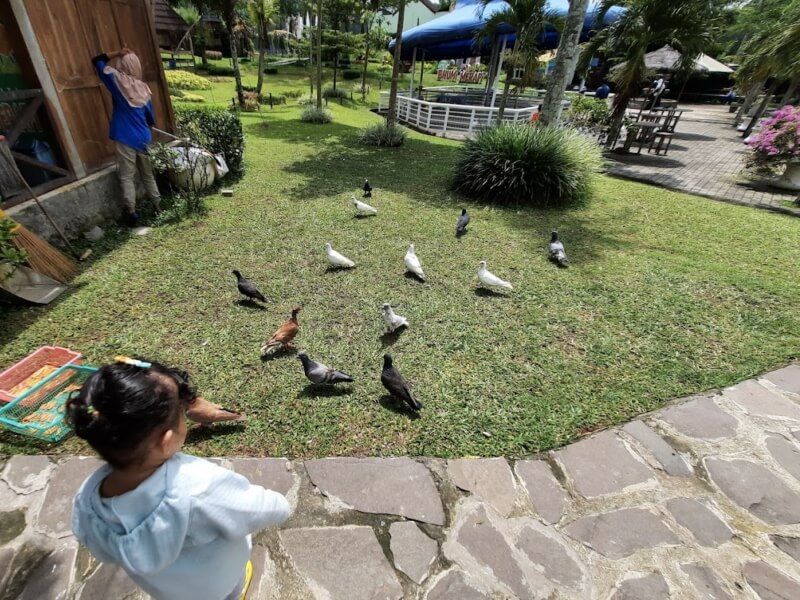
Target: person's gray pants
[(128, 159)]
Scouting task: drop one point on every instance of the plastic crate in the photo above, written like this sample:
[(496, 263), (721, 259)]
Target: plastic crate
[(39, 412), (52, 357)]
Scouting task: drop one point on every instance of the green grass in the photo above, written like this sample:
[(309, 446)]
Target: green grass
[(668, 295)]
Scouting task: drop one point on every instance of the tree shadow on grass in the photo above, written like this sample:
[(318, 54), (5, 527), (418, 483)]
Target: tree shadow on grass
[(489, 293), (388, 402), (412, 277), (282, 352), (207, 432), (313, 390), (389, 338), (251, 304)]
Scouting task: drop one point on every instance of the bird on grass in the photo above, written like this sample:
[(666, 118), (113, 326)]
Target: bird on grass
[(463, 221), (367, 189), (318, 373), (396, 385), (362, 208), (336, 259), (393, 321), (248, 288), (556, 249), (204, 412), (490, 279), (283, 337), (412, 263)]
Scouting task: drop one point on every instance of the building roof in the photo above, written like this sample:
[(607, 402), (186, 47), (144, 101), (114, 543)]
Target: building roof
[(666, 59), (166, 19)]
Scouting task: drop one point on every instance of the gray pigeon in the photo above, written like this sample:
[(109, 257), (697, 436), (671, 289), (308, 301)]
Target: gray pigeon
[(556, 249), (393, 381), (318, 373), (248, 288), (463, 221)]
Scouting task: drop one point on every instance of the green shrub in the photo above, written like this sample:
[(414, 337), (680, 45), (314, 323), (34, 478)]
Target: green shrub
[(213, 128), (330, 93), (196, 98), (312, 114), (270, 70), (213, 55), (9, 253), (589, 113), (183, 80), (527, 165), (220, 71), (294, 93), (350, 74), (176, 93), (380, 134)]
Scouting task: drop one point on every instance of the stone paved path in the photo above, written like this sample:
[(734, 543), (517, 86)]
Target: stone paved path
[(700, 500), (706, 158)]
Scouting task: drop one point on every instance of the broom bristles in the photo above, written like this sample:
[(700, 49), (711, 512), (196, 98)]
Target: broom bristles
[(43, 257)]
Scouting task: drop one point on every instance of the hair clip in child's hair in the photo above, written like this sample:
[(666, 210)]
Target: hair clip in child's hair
[(132, 362), (91, 410)]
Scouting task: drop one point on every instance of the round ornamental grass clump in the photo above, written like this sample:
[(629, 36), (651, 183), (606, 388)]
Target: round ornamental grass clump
[(381, 134), (527, 165), (312, 114)]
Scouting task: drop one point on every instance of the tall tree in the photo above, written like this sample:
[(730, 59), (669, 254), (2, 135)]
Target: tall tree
[(319, 54), (566, 60), (391, 117), (263, 14), (688, 26), (528, 19)]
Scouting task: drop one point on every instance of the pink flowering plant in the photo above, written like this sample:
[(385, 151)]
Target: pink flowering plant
[(778, 141)]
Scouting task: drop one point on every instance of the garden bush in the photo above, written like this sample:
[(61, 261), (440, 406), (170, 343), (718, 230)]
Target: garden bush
[(214, 128), (525, 165), (270, 70), (183, 80), (213, 55), (312, 114), (294, 93), (380, 134), (338, 93), (196, 98), (220, 71), (589, 113), (176, 93), (350, 74)]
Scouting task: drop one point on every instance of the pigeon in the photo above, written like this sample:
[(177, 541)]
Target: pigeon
[(283, 337), (205, 412), (363, 207), (489, 279), (336, 259), (556, 248), (412, 263), (393, 381), (248, 288), (393, 321), (463, 221), (367, 189), (318, 373)]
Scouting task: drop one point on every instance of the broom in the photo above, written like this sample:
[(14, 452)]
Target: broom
[(41, 256)]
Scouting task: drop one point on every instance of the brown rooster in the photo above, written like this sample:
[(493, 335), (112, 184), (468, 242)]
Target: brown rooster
[(284, 336), (205, 412)]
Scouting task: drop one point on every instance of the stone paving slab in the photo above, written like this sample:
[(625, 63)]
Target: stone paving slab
[(697, 501)]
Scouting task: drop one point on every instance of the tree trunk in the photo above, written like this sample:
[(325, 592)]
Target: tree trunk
[(391, 117), (751, 96), (504, 99), (366, 63), (762, 107), (261, 51), (319, 54), (566, 60), (617, 118), (789, 92), (335, 67), (229, 16), (202, 46)]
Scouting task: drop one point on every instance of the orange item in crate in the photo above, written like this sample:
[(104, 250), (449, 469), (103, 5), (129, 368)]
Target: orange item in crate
[(21, 377)]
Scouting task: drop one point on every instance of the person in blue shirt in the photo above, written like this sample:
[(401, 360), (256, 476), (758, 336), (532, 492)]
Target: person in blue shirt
[(131, 119), (602, 91)]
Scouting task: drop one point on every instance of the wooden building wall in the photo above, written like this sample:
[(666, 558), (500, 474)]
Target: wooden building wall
[(69, 33)]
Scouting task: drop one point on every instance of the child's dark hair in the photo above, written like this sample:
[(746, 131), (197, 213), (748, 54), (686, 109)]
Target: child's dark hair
[(123, 404)]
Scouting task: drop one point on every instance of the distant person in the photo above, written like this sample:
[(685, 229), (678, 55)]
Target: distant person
[(730, 97), (602, 91), (659, 86), (131, 119), (536, 116)]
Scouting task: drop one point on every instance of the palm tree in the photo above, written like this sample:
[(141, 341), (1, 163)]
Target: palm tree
[(528, 19), (686, 25), (566, 60), (391, 117), (263, 14)]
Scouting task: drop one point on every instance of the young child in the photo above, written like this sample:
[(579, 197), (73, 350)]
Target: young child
[(180, 526)]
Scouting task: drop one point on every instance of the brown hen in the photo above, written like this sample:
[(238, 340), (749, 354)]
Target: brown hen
[(284, 336), (204, 412)]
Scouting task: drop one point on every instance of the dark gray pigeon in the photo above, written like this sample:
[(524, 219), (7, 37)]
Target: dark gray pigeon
[(393, 381), (318, 373), (248, 288), (463, 221), (556, 249), (367, 189)]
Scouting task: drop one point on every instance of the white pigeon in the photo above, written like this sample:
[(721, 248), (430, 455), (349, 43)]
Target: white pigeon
[(336, 259), (393, 321), (412, 263), (363, 207), (490, 279)]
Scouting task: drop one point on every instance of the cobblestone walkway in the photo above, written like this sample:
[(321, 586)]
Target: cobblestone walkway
[(706, 158), (700, 500)]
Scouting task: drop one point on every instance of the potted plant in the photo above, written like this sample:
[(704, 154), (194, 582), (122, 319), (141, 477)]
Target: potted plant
[(10, 256), (776, 147)]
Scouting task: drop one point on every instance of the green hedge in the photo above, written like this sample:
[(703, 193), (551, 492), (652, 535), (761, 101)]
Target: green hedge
[(350, 74), (214, 128)]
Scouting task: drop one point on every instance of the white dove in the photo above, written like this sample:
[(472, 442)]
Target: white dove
[(363, 207), (490, 279), (336, 259), (412, 263), (393, 321)]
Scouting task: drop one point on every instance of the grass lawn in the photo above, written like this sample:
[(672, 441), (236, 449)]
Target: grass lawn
[(668, 295)]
